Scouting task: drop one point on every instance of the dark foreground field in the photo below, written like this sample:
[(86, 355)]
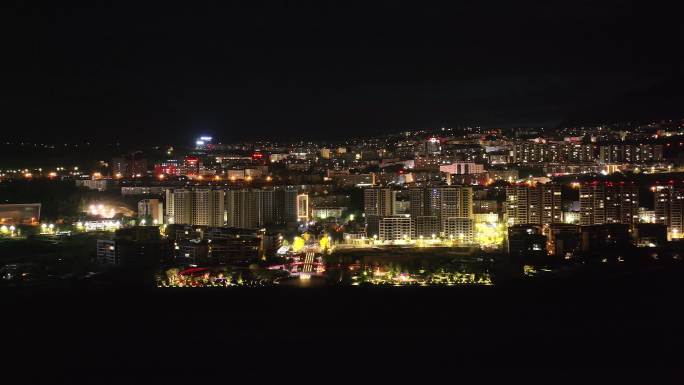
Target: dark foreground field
[(631, 321)]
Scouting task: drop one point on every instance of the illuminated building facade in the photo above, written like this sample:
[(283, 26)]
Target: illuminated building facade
[(461, 230), (196, 207), (631, 153), (462, 168), (378, 203), (606, 203), (442, 203), (539, 204), (208, 207), (669, 209), (426, 226), (245, 208), (303, 207), (395, 228)]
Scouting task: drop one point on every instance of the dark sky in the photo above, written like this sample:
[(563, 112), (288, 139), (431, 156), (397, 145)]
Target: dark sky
[(170, 71)]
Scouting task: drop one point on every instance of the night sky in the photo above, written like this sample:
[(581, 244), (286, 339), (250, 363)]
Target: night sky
[(165, 73)]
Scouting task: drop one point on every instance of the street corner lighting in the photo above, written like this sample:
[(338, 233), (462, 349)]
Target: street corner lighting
[(43, 225), (232, 178), (160, 176), (351, 217), (51, 226), (433, 236), (12, 228), (154, 222), (268, 178), (142, 222), (217, 177)]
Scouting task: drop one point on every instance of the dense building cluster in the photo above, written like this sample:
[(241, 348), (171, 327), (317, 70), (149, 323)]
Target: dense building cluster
[(527, 190)]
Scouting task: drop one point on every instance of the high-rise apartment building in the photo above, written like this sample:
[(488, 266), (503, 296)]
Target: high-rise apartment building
[(606, 203), (669, 209), (195, 207), (378, 203), (255, 208), (303, 207), (426, 226), (180, 206), (440, 203), (245, 208), (461, 230), (208, 207), (395, 228), (540, 204)]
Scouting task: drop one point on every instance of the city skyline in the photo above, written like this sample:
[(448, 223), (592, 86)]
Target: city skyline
[(186, 188)]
